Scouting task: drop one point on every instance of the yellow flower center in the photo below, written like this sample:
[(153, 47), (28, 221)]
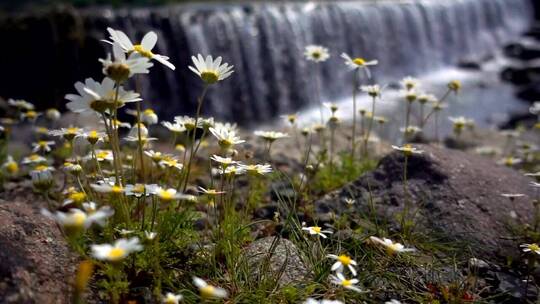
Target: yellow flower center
[(31, 114), (207, 291), (139, 49), (139, 188), (359, 61), (116, 254), (454, 85), (41, 168), (118, 72), (42, 130), (534, 247), (148, 112), (346, 283), (316, 54), (102, 155), (78, 219), (12, 167), (33, 157), (345, 260), (77, 197), (116, 189), (210, 77), (316, 229), (166, 195)]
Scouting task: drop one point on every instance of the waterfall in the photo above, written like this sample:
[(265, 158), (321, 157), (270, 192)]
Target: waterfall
[(265, 43)]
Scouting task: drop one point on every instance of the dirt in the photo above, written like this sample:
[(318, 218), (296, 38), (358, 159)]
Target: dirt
[(455, 195), (36, 265)]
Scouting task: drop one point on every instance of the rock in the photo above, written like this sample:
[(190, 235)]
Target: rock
[(522, 50), (457, 195), (521, 74), (278, 258), (36, 265), (530, 92)]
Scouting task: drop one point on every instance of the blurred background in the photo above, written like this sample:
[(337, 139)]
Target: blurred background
[(49, 45)]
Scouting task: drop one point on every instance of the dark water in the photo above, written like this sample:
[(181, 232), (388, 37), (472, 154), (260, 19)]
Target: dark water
[(264, 42)]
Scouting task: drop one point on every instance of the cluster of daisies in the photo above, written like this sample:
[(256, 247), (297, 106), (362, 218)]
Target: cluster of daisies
[(107, 179)]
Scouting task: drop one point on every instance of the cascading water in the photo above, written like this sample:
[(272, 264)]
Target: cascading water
[(265, 43)]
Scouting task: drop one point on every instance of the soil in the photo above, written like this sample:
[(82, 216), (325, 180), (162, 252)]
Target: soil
[(35, 263)]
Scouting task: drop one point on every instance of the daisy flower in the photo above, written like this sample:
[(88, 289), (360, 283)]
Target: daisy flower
[(210, 70), (172, 163), (174, 127), (208, 291), (137, 190), (232, 170), (210, 192), (425, 98), (123, 67), (166, 195), (410, 130), (107, 188), (454, 85), (103, 155), (188, 122), (117, 251), (290, 118), (33, 159), (53, 114), (392, 301), (530, 248), (156, 156), (407, 149), (78, 219), (316, 53), (30, 115), (510, 161), (340, 280), (342, 261), (224, 161), (21, 104), (331, 106), (41, 175), (98, 97), (372, 90), (270, 136), (148, 116), (258, 169), (316, 230), (359, 63), (226, 138), (42, 145), (144, 49), (92, 136), (171, 298), (391, 247), (410, 83), (10, 166), (67, 133)]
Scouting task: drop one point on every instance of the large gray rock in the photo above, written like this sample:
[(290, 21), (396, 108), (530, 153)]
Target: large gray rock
[(36, 265), (278, 259), (457, 196)]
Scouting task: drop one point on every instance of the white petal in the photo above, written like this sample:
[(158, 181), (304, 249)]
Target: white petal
[(149, 41)]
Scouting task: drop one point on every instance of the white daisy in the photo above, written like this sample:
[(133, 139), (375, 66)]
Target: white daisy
[(121, 67), (410, 83), (407, 149), (359, 63), (174, 127), (270, 136), (164, 194), (258, 169), (98, 97), (316, 53), (21, 104), (342, 261), (117, 251), (372, 90), (391, 247), (171, 298), (340, 280), (323, 301), (210, 70), (226, 137), (78, 219), (316, 230), (208, 291), (42, 146), (530, 248), (143, 49)]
